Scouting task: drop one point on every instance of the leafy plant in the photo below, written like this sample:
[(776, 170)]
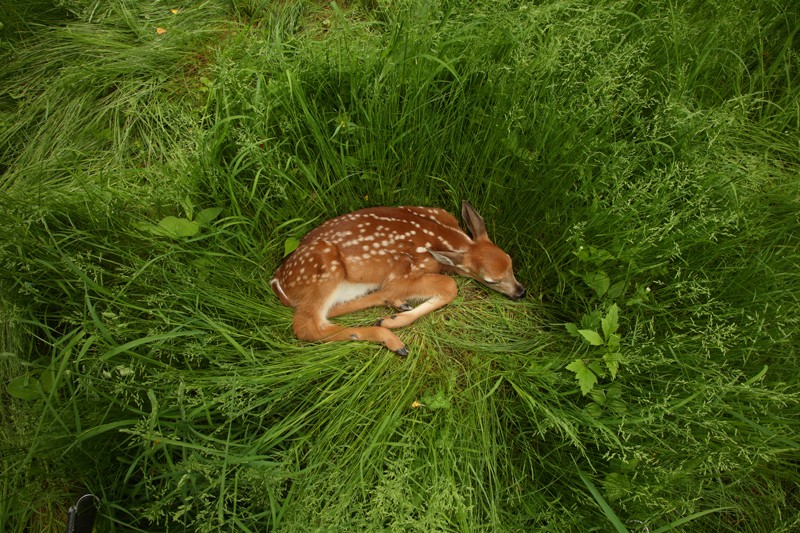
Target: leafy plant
[(588, 369), (180, 227), (290, 245)]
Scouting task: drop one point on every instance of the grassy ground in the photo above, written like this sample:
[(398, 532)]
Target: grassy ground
[(639, 161)]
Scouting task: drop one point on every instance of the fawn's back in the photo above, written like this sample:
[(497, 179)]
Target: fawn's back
[(370, 246)]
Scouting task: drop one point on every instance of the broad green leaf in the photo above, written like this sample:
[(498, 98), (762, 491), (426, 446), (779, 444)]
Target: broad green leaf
[(290, 246), (592, 337), (48, 380), (613, 341), (188, 207), (205, 216), (146, 226), (598, 281), (634, 301), (598, 395), (436, 401), (592, 254), (171, 226), (572, 329), (612, 360), (642, 295), (598, 255), (591, 320), (582, 254), (618, 406), (596, 367), (616, 486), (25, 388), (610, 322), (630, 466), (586, 378), (593, 410), (616, 290)]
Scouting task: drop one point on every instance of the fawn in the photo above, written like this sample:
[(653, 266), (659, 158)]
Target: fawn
[(386, 256)]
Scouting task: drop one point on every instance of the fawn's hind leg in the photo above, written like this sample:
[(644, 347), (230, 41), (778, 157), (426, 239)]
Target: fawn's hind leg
[(317, 299), (313, 327)]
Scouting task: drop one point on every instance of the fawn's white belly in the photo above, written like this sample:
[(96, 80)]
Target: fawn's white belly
[(347, 291)]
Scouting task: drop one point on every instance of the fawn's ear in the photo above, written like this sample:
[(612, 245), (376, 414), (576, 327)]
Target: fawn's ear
[(474, 222), (453, 259)]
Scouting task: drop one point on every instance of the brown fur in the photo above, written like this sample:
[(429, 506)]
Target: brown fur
[(386, 256)]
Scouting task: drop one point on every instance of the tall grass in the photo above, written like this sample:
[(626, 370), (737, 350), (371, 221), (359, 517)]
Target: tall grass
[(628, 156)]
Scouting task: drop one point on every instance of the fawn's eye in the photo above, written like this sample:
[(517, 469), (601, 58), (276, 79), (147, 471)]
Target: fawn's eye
[(490, 281)]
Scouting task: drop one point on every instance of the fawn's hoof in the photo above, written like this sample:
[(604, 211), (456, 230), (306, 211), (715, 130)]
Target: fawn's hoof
[(402, 351), (404, 307), (379, 322)]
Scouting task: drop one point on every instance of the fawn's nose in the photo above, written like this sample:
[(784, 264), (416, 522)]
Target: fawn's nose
[(520, 294)]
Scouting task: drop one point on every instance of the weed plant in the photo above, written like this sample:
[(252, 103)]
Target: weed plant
[(639, 161)]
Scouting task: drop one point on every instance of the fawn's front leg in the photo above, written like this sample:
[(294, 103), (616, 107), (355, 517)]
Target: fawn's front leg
[(383, 296), (437, 290)]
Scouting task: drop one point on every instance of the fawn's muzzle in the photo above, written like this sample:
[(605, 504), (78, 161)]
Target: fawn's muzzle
[(520, 294)]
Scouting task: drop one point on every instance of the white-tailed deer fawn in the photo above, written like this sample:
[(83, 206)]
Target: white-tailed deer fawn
[(386, 256)]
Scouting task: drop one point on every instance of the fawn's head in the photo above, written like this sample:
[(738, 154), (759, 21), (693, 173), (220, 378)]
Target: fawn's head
[(483, 261)]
